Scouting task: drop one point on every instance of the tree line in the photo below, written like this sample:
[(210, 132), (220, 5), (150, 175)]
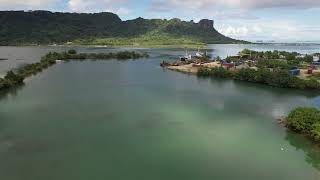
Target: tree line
[(276, 78)]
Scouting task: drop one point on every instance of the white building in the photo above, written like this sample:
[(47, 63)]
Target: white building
[(301, 56), (282, 57)]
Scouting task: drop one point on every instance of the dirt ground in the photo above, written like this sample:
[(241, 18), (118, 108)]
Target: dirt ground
[(304, 73), (193, 68)]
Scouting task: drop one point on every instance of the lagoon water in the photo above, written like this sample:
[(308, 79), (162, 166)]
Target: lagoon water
[(133, 120)]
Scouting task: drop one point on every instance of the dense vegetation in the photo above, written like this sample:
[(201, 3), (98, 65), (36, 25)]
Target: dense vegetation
[(43, 27), (146, 40), (306, 121), (276, 78), (277, 59), (73, 55), (16, 77), (271, 68)]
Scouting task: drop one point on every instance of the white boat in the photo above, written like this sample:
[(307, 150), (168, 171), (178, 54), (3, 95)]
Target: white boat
[(199, 54), (187, 56)]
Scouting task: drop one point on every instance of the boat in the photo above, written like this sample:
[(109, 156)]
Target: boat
[(199, 54), (186, 57)]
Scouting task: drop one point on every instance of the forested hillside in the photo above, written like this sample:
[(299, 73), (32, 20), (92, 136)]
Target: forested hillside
[(44, 27)]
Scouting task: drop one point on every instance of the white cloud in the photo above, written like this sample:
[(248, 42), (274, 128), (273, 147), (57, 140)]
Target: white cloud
[(73, 5), (119, 11), (95, 5), (278, 30), (225, 9), (26, 4), (271, 3), (234, 12), (257, 29), (200, 9), (79, 5), (235, 32)]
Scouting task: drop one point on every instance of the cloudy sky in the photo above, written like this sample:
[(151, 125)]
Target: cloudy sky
[(279, 20)]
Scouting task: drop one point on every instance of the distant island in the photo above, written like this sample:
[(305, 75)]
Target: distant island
[(104, 29)]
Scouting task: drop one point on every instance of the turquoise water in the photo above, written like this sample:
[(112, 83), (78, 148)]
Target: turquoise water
[(134, 120)]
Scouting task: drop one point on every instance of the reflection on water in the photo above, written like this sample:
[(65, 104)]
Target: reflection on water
[(12, 92), (311, 150)]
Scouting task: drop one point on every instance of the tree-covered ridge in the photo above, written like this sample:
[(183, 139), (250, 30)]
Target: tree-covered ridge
[(44, 27)]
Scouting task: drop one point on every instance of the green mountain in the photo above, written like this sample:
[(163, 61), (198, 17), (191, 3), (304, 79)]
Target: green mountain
[(44, 27)]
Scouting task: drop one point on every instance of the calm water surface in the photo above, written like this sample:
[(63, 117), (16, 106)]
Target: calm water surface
[(133, 120)]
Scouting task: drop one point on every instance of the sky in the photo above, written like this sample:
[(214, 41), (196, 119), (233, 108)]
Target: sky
[(252, 20)]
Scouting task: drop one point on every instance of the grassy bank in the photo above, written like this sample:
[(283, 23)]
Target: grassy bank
[(16, 77), (143, 41), (150, 40)]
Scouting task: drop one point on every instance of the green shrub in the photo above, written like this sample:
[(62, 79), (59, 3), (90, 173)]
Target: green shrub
[(13, 78), (303, 119), (221, 72), (72, 51), (277, 78), (246, 74), (306, 121), (4, 84), (270, 63), (263, 75), (280, 78), (315, 132), (312, 84), (204, 72)]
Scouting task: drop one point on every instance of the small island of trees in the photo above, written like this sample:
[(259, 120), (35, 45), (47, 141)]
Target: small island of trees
[(306, 121)]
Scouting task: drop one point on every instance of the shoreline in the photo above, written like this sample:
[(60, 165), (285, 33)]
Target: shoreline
[(192, 68), (277, 69), (114, 47), (282, 122), (16, 77)]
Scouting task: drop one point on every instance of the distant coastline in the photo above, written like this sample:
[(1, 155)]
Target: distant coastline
[(45, 27), (289, 43), (194, 45)]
